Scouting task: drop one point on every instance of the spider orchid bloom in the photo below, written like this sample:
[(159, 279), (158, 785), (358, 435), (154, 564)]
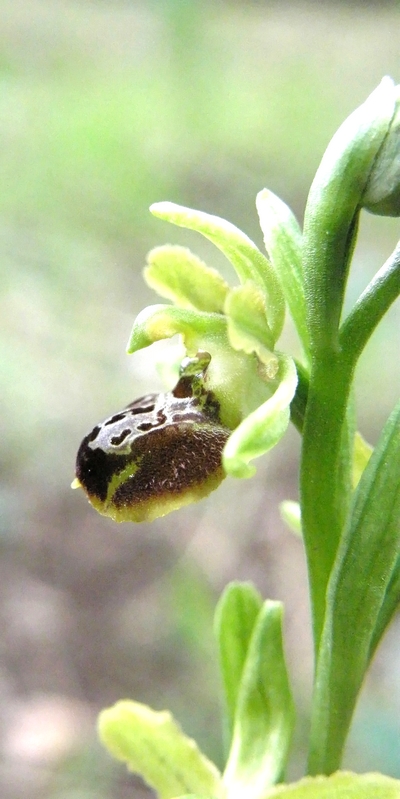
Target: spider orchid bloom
[(232, 400)]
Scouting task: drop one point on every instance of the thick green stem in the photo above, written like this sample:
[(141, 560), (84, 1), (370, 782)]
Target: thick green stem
[(320, 410), (325, 474), (325, 491)]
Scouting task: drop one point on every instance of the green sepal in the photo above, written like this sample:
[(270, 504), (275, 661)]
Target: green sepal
[(283, 242), (153, 745), (342, 785), (157, 322), (331, 214), (179, 275), (234, 620), (248, 329), (262, 428), (361, 595), (264, 716), (245, 257)]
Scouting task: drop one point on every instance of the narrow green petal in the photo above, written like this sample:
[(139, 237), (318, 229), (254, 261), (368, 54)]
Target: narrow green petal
[(179, 275), (263, 428), (248, 329)]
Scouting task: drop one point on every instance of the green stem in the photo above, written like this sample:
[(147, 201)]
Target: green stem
[(325, 479), (320, 409), (325, 483), (361, 322)]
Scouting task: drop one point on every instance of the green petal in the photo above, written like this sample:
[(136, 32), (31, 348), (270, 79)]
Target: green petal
[(179, 275), (248, 329), (263, 428)]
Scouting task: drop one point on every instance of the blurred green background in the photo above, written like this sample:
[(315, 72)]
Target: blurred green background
[(106, 107)]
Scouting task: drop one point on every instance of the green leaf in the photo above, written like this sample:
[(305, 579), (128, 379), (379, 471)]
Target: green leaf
[(179, 275), (342, 785), (389, 607), (152, 745), (245, 257), (360, 595), (263, 428), (283, 242), (235, 616), (264, 717), (332, 211), (361, 454)]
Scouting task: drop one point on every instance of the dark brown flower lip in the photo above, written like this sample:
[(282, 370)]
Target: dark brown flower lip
[(168, 459), (159, 447)]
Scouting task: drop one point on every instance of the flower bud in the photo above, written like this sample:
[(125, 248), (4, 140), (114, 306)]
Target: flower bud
[(382, 193)]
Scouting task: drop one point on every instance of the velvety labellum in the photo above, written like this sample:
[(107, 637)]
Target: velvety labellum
[(160, 452)]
